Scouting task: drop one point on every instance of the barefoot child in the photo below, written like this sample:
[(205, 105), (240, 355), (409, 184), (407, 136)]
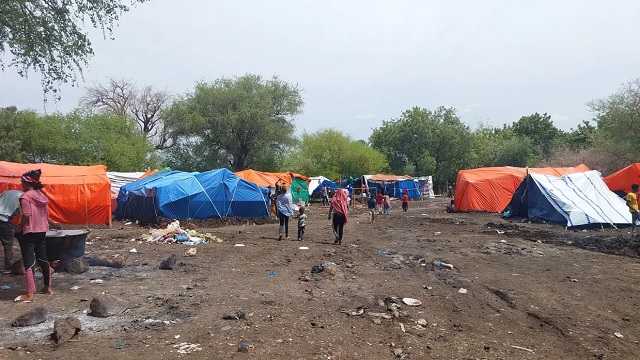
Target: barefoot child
[(302, 218), (372, 204)]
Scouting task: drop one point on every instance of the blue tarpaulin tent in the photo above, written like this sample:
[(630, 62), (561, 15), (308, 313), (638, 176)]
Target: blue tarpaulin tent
[(181, 195)]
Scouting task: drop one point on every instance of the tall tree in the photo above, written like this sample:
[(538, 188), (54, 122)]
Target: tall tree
[(540, 129), (425, 142), (245, 120), (618, 122), (49, 37), (335, 155), (145, 105)]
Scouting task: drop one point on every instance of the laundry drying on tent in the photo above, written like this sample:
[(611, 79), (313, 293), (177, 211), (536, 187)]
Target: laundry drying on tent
[(620, 181), (491, 189), (77, 194), (574, 200), (181, 195)]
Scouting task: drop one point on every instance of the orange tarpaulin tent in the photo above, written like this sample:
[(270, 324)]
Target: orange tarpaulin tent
[(388, 178), (266, 179), (491, 189), (622, 180), (77, 194)]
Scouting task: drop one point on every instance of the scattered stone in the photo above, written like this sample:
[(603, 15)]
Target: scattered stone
[(422, 322), (234, 315), (169, 263), (107, 305), (626, 318), (65, 329), (487, 348), (397, 352), (618, 335), (31, 317), (76, 266), (377, 321), (574, 280)]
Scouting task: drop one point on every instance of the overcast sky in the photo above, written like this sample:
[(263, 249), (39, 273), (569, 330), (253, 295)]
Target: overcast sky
[(364, 61)]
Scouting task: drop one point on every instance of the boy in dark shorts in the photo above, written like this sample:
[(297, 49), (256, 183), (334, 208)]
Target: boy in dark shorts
[(372, 204)]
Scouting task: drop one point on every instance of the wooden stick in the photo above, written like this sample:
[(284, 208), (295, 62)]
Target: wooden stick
[(522, 348)]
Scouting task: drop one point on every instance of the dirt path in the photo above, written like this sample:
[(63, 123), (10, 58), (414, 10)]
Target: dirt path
[(553, 297)]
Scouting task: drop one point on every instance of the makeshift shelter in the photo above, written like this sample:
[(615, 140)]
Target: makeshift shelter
[(394, 185), (181, 195), (318, 183), (297, 184), (491, 189), (77, 194), (620, 181), (575, 200), (118, 179), (425, 186)]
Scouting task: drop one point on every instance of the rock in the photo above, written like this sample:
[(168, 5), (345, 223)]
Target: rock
[(32, 317), (107, 305), (395, 314), (169, 263), (487, 347), (377, 321), (625, 318), (234, 315), (422, 322), (65, 329), (76, 266)]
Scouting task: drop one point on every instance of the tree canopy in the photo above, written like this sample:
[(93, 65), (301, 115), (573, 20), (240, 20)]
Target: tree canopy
[(242, 121), (49, 36), (335, 155), (424, 142)]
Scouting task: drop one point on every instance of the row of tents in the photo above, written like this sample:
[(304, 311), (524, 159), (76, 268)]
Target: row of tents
[(573, 196), (91, 195)]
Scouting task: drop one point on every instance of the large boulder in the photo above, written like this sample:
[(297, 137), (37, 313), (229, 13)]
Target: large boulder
[(107, 305), (76, 266), (32, 317)]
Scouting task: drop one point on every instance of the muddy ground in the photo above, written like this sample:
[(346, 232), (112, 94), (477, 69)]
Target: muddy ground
[(560, 294)]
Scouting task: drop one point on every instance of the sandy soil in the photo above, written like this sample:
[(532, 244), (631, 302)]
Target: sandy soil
[(561, 294)]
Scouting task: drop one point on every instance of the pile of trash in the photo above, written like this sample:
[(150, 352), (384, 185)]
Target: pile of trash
[(173, 233)]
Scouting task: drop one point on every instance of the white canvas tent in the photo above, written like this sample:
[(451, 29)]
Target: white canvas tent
[(119, 179)]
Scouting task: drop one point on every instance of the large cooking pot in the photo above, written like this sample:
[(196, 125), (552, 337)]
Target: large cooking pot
[(65, 244)]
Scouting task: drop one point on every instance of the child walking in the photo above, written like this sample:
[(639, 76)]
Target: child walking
[(372, 204), (632, 203), (405, 201), (386, 202), (302, 218), (31, 233)]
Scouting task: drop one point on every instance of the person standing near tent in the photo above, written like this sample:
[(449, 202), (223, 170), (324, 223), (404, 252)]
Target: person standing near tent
[(339, 212), (302, 218), (284, 204), (632, 203), (9, 208), (31, 233), (405, 201)]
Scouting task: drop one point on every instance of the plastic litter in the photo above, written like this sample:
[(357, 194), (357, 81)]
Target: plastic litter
[(96, 281), (273, 273), (239, 245), (118, 346), (303, 248), (173, 233), (133, 251), (618, 335), (462, 291), (441, 265), (187, 348), (75, 287), (191, 252), (411, 301), (6, 287), (382, 252), (243, 347)]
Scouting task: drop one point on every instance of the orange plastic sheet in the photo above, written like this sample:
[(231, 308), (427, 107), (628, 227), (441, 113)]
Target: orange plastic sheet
[(77, 194), (622, 180), (389, 178), (491, 189), (266, 179)]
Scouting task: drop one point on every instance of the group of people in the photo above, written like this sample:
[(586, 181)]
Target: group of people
[(338, 212), (24, 215)]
